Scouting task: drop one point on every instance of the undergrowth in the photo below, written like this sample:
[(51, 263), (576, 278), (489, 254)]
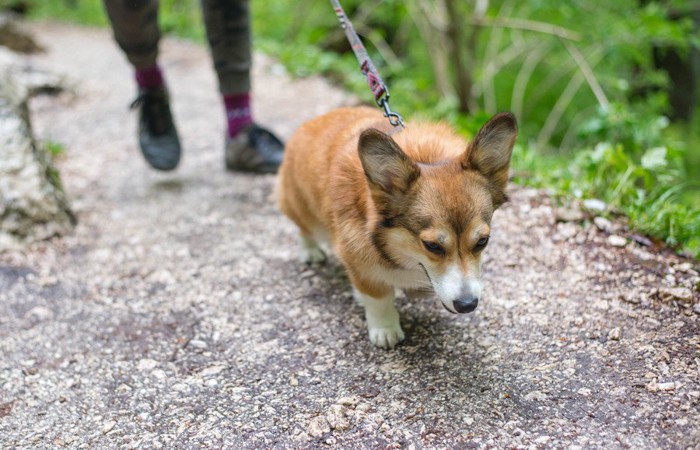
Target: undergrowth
[(626, 155)]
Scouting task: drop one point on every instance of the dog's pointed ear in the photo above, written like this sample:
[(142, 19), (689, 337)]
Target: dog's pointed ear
[(490, 151), (386, 166)]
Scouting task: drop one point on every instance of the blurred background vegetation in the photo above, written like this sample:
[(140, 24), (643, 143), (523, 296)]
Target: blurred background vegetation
[(607, 93)]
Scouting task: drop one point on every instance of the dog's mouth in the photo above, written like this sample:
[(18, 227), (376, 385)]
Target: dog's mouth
[(463, 305), (445, 306), (461, 308)]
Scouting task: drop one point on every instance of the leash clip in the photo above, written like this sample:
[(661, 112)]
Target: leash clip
[(394, 118)]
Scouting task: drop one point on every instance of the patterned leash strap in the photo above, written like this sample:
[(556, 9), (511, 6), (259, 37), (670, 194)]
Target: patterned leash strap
[(376, 85)]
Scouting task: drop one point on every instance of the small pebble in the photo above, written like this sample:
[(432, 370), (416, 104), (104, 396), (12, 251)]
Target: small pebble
[(336, 417), (666, 386), (603, 224), (568, 215), (146, 364), (676, 293), (108, 426), (307, 274), (615, 334), (349, 401), (212, 370), (617, 241), (594, 205), (318, 427), (198, 344)]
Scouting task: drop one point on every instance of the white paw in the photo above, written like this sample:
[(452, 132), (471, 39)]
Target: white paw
[(382, 320), (310, 252), (386, 337)]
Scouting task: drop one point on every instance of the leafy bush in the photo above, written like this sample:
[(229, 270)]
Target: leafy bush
[(580, 77), (632, 168)]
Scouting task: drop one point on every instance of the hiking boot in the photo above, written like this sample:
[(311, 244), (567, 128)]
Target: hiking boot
[(157, 134), (254, 149)]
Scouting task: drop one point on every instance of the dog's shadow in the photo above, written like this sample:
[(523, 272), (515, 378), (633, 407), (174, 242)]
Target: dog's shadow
[(431, 332)]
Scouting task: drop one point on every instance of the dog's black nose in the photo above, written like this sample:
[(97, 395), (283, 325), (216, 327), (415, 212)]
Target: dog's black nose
[(465, 305)]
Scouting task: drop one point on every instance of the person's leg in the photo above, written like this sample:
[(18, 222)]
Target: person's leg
[(248, 147), (228, 32), (135, 27)]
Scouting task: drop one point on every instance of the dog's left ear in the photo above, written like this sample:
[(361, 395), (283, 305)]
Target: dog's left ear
[(489, 153), (386, 166)]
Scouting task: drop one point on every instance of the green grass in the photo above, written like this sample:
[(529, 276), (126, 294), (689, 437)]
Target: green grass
[(55, 148), (626, 156), (86, 12)]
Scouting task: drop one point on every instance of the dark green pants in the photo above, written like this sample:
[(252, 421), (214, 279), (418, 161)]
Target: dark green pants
[(135, 25)]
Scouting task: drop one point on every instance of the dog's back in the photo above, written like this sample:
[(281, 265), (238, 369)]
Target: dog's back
[(306, 173)]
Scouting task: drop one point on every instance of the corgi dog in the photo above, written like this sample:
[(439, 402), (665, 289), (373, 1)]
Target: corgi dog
[(401, 208)]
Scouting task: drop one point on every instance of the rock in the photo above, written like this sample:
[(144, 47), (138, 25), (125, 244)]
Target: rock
[(108, 426), (652, 386), (307, 274), (642, 240), (685, 267), (568, 215), (351, 401), (146, 364), (594, 205), (15, 37), (212, 370), (584, 392), (615, 334), (681, 294), (318, 427), (39, 313), (603, 224), (33, 205), (337, 418), (666, 386), (617, 241), (197, 344), (363, 407), (537, 396)]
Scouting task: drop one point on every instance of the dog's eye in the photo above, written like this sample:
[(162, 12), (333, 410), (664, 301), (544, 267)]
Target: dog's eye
[(434, 247), (481, 243)]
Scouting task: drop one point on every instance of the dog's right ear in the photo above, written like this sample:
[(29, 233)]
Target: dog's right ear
[(386, 166)]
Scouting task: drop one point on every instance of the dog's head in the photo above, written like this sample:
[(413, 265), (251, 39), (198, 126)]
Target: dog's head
[(437, 215)]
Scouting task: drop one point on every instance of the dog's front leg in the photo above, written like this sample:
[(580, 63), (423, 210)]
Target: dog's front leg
[(382, 317)]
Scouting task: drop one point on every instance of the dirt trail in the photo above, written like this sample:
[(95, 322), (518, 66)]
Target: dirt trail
[(177, 314)]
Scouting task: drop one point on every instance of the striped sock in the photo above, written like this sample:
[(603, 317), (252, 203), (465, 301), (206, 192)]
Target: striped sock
[(149, 78), (238, 114)]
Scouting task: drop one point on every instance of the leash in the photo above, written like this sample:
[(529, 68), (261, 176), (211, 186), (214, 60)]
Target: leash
[(376, 85)]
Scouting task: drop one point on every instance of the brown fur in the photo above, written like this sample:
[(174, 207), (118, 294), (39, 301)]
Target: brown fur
[(379, 193)]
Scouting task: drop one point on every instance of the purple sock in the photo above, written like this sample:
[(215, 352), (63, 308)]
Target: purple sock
[(238, 114), (149, 78)]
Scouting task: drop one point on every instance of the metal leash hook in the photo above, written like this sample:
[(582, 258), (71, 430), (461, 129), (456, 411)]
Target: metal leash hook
[(394, 118), (376, 85)]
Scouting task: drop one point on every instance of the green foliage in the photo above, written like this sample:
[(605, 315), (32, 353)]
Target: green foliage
[(180, 17), (88, 12), (580, 76), (55, 148), (647, 186)]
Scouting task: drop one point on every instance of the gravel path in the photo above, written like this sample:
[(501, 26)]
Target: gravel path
[(177, 314)]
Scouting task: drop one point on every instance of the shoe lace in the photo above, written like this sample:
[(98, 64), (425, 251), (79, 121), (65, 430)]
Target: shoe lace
[(155, 110)]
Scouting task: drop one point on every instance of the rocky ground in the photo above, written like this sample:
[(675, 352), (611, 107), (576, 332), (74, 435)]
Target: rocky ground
[(177, 315)]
